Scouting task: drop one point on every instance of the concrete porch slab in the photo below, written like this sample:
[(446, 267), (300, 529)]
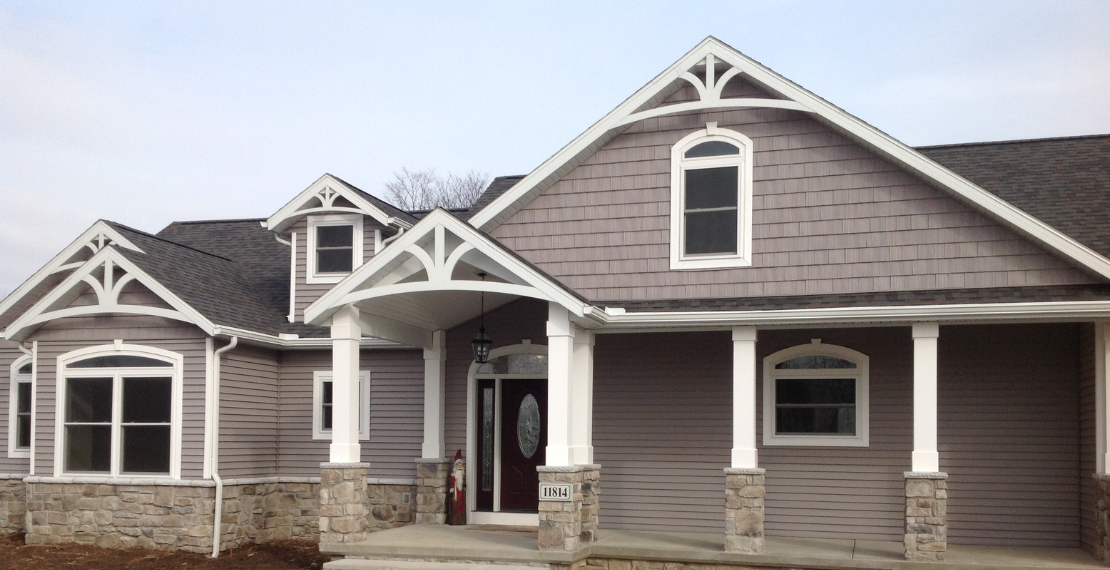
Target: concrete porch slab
[(501, 548)]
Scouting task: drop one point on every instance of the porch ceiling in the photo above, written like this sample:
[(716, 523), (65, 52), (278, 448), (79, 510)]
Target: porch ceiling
[(432, 310)]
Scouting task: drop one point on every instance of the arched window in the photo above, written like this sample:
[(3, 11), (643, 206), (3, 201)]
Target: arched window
[(711, 200), (815, 394), (120, 412)]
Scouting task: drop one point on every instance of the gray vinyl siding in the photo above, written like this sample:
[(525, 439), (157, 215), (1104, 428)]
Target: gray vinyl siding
[(65, 335), (662, 433), (828, 217), (1009, 434), (248, 412), (507, 325), (396, 412), (8, 354), (1087, 427), (309, 292)]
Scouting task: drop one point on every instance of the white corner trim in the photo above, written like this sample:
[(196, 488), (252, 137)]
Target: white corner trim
[(176, 402), (860, 374), (679, 166), (292, 316), (94, 239), (107, 292), (325, 220), (318, 379), (15, 378), (326, 189), (594, 137)]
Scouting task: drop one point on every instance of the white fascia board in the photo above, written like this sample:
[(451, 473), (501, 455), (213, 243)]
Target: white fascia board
[(849, 316), (91, 235), (321, 309), (885, 145), (30, 318), (290, 212)]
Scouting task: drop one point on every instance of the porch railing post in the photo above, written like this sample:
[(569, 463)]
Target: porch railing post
[(926, 535)]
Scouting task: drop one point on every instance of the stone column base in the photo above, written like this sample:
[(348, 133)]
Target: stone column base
[(343, 502), (926, 516), (570, 525), (1102, 517), (431, 490), (744, 490)]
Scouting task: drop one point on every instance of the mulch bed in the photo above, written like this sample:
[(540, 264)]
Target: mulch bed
[(277, 555)]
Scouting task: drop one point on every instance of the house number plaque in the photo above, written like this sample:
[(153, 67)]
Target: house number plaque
[(554, 491)]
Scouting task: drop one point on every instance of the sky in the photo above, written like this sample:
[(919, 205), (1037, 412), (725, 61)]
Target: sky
[(149, 112)]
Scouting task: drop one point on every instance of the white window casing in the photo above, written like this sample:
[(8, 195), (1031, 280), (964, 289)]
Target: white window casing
[(679, 166), (319, 377), (353, 220), (816, 348), (16, 378), (176, 373)]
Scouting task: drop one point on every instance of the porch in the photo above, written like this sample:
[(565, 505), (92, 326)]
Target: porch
[(516, 546)]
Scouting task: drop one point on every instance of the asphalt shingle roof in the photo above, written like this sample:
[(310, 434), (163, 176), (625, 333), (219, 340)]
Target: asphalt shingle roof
[(496, 188)]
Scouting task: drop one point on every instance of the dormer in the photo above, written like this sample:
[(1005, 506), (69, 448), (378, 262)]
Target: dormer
[(332, 228)]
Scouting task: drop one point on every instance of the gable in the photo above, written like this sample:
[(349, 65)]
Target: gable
[(329, 194), (829, 216)]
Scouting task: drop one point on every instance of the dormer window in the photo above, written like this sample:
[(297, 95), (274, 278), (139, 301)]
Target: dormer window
[(334, 247), (711, 200)]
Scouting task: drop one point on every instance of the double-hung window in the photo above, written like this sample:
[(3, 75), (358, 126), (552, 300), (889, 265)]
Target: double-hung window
[(323, 402), (711, 200), (119, 414), (334, 247), (19, 410), (816, 395)]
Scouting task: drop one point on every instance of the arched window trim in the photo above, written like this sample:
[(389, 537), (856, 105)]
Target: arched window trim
[(679, 165), (15, 378), (118, 348), (817, 348)]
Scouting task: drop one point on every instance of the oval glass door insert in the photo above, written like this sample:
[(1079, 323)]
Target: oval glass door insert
[(528, 426)]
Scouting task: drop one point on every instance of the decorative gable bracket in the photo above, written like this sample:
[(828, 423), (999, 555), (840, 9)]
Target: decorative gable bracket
[(330, 195)]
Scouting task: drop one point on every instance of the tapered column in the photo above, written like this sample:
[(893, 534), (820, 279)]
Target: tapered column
[(925, 456), (743, 398), (346, 332), (560, 352), (582, 399), (435, 370)]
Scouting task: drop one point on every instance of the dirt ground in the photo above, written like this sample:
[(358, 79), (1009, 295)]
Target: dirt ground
[(278, 555)]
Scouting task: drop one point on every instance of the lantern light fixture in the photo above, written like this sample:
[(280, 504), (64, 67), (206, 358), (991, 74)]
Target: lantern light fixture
[(482, 341)]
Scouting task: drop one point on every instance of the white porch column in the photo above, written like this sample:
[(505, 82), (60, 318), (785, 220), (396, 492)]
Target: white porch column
[(925, 456), (346, 332), (435, 370), (1102, 396), (743, 398), (560, 352), (582, 399)]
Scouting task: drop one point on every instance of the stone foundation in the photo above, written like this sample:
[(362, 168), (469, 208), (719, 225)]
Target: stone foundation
[(926, 516), (1102, 518), (343, 502), (390, 505), (570, 525), (744, 490), (431, 490), (13, 504), (269, 511)]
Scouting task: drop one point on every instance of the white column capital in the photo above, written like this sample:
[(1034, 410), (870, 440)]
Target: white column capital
[(345, 323), (583, 336), (744, 334), (926, 330), (558, 321)]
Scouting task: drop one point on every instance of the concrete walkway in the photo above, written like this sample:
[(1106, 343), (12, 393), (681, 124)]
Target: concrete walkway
[(517, 546)]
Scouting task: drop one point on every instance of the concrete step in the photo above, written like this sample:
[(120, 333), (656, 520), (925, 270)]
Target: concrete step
[(401, 564)]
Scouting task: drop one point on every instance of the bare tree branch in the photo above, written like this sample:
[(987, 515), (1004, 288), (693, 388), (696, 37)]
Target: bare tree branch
[(425, 189)]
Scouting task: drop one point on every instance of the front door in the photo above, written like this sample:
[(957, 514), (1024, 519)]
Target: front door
[(511, 443)]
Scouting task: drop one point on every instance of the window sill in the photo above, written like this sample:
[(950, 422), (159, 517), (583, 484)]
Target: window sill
[(325, 278), (714, 262), (123, 480), (815, 441), (19, 454)]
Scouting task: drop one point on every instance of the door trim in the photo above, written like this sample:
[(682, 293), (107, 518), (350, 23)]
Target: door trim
[(484, 517)]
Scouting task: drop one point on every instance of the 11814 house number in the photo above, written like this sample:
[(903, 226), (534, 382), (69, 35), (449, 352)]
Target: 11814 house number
[(554, 491)]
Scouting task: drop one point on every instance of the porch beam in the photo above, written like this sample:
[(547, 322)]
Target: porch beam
[(925, 458), (744, 455), (582, 399), (560, 352), (346, 332), (435, 371)]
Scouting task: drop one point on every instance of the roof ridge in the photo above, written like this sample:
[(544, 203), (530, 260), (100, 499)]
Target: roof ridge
[(1012, 141), (162, 239)]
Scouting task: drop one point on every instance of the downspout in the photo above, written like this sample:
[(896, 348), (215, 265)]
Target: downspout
[(393, 237), (217, 514)]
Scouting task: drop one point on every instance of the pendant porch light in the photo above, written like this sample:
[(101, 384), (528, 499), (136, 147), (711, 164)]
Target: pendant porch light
[(482, 342)]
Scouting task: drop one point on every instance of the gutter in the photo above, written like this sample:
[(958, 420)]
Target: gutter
[(214, 395)]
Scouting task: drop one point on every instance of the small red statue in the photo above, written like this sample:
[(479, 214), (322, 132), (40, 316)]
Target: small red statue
[(456, 492)]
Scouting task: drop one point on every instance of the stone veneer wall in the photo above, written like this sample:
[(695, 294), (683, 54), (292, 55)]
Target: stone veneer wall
[(570, 525), (13, 504), (431, 490), (744, 491), (926, 516), (1102, 518)]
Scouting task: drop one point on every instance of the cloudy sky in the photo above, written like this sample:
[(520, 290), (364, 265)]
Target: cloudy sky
[(144, 112)]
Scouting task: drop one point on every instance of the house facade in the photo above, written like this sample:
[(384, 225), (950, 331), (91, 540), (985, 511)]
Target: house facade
[(732, 306)]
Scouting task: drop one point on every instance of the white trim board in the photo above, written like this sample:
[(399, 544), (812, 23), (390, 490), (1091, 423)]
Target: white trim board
[(326, 189), (711, 50)]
